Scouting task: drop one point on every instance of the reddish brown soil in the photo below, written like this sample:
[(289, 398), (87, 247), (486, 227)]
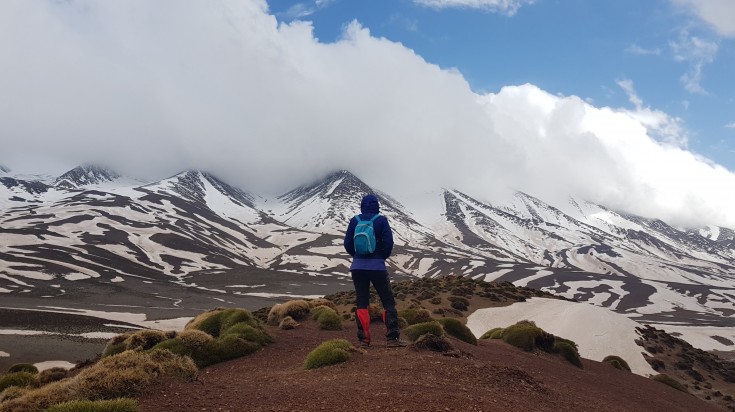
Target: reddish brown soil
[(491, 377)]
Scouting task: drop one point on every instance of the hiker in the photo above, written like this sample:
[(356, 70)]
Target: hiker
[(369, 241)]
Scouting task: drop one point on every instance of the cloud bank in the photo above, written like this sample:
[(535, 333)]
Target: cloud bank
[(156, 87), (508, 7), (719, 14)]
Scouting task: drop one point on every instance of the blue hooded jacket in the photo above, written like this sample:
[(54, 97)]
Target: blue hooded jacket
[(369, 207)]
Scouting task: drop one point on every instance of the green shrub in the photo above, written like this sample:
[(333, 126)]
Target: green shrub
[(23, 367), (115, 405), (329, 319), (322, 302), (433, 343), (668, 380), (522, 335), (51, 375), (318, 310), (569, 353), (415, 331), (570, 342), (20, 379), (617, 362), (436, 300), (493, 333), (218, 321), (414, 316), (455, 328), (329, 353)]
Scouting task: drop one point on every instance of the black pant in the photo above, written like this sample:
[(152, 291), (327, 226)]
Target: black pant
[(380, 280)]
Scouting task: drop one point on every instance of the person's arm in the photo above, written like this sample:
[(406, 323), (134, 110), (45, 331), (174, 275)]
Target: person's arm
[(387, 240), (349, 237)]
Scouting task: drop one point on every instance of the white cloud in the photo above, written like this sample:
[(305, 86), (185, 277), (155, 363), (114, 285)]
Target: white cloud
[(720, 14), (697, 53), (730, 125), (299, 10), (659, 124), (157, 87), (636, 49), (508, 7)]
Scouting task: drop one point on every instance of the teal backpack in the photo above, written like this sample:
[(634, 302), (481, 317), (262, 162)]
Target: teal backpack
[(365, 236)]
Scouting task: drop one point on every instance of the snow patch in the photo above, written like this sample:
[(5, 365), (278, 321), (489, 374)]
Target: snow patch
[(42, 366)]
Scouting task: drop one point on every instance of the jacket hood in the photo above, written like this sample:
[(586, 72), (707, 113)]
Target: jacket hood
[(370, 204)]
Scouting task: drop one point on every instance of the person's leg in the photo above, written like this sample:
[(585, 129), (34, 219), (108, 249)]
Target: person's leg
[(361, 280), (381, 281)]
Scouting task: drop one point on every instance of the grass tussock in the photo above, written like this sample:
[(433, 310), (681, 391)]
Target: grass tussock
[(494, 333), (113, 405), (415, 315), (668, 380), (12, 392), (433, 343), (617, 362), (414, 332), (329, 353), (19, 379), (117, 376), (322, 302), (568, 352), (455, 328), (23, 367), (297, 309)]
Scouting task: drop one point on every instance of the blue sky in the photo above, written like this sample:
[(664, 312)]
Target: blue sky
[(568, 47)]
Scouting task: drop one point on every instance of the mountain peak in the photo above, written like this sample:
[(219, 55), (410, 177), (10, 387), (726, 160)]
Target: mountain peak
[(84, 175)]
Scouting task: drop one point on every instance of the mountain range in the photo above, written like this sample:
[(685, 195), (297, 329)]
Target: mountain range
[(93, 228)]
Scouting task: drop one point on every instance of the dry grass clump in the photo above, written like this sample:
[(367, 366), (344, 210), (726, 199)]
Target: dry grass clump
[(668, 380), (413, 332), (114, 405), (455, 328), (143, 339), (195, 339), (297, 309), (288, 323), (51, 375), (122, 375), (415, 315), (322, 302), (617, 362), (433, 343), (23, 367), (12, 393), (329, 353)]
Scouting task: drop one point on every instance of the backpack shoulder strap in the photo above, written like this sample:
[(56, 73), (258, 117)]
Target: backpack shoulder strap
[(377, 215), (358, 218)]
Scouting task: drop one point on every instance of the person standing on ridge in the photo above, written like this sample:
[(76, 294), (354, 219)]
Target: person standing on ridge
[(369, 240)]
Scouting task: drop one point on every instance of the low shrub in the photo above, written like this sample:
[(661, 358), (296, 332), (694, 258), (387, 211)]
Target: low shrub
[(493, 333), (288, 323), (318, 310), (436, 300), (117, 376), (114, 405), (455, 328), (668, 380), (23, 367), (569, 353), (115, 345), (413, 332), (20, 379), (414, 316), (617, 362), (194, 339), (144, 339), (459, 303), (51, 375), (297, 309), (376, 313), (329, 353)]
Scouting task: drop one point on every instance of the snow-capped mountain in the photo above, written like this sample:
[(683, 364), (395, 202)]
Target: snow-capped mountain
[(193, 229)]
